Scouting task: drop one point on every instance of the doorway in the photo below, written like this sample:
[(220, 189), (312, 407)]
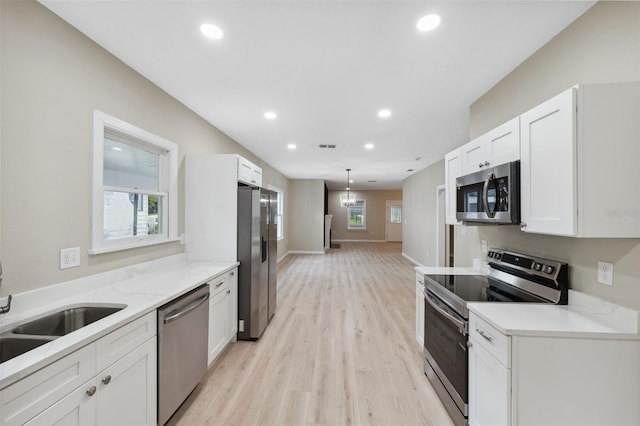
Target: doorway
[(393, 221)]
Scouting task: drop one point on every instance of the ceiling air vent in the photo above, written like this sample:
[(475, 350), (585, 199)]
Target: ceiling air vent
[(327, 146)]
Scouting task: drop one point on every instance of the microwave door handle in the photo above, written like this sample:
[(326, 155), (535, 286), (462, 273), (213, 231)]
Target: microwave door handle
[(460, 324), (485, 196)]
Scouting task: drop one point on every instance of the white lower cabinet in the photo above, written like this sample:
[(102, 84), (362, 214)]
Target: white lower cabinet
[(223, 312), (489, 388), (73, 391), (420, 310), (551, 380)]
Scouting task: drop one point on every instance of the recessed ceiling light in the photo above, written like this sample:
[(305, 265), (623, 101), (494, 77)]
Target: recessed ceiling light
[(384, 113), (429, 22), (211, 31), (116, 148), (270, 115), (291, 146), (369, 146)]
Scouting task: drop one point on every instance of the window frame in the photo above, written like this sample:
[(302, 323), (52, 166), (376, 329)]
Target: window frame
[(364, 216), (168, 184)]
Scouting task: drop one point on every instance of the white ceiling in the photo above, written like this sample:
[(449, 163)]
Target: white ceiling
[(326, 68)]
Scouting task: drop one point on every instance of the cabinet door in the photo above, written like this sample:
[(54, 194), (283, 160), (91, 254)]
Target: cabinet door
[(503, 143), (127, 389), (76, 409), (453, 170), (548, 166), (420, 315), (39, 391), (489, 388), (474, 155), (217, 324), (233, 305)]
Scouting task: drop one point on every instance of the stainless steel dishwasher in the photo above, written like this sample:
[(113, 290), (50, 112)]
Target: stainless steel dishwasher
[(183, 328)]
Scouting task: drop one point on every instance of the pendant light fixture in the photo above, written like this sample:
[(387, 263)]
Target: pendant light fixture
[(348, 199)]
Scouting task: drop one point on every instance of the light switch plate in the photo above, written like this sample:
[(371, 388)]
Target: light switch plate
[(605, 273), (69, 257)]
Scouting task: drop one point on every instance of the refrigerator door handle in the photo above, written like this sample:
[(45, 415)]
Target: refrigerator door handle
[(263, 248)]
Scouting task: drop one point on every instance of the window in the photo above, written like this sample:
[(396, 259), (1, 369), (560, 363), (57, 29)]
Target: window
[(396, 214), (279, 211), (357, 215), (134, 186)]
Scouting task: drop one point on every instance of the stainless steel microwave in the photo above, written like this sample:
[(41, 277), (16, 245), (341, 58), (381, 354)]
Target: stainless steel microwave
[(490, 196)]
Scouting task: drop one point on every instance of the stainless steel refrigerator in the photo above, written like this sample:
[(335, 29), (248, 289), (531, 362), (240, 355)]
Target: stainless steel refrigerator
[(254, 255)]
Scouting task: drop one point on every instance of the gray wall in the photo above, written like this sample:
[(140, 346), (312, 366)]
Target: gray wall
[(419, 222), (52, 77), (306, 218), (376, 205), (601, 46)]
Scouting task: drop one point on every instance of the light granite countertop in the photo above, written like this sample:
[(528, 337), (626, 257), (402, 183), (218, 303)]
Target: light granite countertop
[(142, 288)]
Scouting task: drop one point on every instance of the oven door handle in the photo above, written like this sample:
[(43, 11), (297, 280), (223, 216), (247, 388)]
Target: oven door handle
[(460, 324)]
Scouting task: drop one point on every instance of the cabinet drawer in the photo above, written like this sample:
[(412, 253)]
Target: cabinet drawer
[(28, 397), (218, 284), (496, 343), (117, 344)]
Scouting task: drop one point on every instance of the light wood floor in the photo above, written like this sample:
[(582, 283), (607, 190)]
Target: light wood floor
[(341, 349)]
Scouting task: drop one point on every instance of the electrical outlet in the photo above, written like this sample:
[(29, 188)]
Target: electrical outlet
[(605, 273), (69, 257)]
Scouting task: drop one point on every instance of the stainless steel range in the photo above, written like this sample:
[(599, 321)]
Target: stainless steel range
[(512, 277)]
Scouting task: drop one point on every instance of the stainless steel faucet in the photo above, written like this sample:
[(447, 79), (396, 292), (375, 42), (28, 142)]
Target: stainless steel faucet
[(4, 309)]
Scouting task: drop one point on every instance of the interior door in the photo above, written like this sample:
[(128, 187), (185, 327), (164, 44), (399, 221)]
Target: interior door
[(393, 222)]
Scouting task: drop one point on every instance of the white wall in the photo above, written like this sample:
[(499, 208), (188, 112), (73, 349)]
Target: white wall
[(601, 46), (306, 218), (419, 204), (375, 215), (51, 79)]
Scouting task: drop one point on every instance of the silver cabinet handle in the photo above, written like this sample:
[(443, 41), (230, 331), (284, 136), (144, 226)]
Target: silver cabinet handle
[(523, 226), (486, 163), (219, 284), (480, 165), (232, 273), (482, 333), (106, 380), (91, 391), (228, 291)]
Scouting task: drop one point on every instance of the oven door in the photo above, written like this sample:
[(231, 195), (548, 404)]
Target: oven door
[(445, 348)]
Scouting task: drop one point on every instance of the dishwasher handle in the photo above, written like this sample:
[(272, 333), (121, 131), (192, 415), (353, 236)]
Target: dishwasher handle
[(174, 315)]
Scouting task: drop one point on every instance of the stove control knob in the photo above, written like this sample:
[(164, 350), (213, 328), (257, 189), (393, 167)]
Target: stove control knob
[(537, 266), (548, 269)]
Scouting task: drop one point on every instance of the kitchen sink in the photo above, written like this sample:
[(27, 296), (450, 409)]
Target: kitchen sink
[(65, 321), (32, 334), (11, 347)]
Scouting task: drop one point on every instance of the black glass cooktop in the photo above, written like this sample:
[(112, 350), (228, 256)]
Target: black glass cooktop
[(470, 288)]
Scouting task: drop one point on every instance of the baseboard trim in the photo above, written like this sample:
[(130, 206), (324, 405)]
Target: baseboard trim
[(410, 259), (282, 258), (358, 241), (305, 252)]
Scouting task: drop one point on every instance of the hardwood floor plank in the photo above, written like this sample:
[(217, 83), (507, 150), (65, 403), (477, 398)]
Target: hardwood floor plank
[(340, 350)]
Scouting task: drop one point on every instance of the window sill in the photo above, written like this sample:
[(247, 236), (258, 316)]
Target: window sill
[(131, 246)]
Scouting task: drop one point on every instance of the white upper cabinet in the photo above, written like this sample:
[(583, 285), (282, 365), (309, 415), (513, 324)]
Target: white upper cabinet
[(547, 181), (579, 163), (249, 173), (452, 170), (498, 146)]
